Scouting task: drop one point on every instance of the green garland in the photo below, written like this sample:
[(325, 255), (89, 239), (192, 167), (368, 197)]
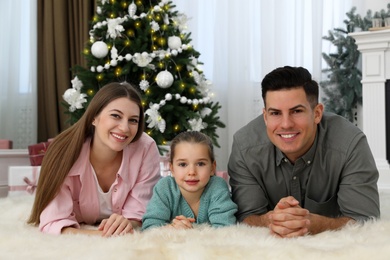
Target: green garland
[(343, 87)]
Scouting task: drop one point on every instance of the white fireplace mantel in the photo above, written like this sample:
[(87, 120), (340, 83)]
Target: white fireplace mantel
[(375, 49)]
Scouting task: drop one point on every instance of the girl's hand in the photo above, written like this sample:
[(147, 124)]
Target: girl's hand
[(182, 222), (115, 225)]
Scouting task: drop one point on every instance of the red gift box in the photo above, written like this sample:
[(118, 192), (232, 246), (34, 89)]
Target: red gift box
[(36, 153), (5, 144)]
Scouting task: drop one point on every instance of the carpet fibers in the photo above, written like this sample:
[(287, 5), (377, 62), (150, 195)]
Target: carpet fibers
[(19, 240)]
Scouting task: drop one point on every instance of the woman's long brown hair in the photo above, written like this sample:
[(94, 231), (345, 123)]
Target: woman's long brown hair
[(64, 150)]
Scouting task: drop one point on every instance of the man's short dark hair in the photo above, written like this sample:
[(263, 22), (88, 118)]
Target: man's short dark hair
[(288, 78)]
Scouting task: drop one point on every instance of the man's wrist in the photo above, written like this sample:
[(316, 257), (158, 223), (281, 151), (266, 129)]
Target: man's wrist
[(258, 220)]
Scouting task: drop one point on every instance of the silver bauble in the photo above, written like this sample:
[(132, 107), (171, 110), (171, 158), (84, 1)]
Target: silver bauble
[(99, 49), (164, 79)]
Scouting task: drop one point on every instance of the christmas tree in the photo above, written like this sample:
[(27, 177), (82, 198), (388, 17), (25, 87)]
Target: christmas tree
[(343, 87), (145, 43)]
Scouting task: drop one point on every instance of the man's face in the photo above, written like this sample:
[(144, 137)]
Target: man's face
[(291, 122)]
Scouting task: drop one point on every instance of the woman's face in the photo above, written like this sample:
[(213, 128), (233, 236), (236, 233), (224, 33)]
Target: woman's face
[(117, 124)]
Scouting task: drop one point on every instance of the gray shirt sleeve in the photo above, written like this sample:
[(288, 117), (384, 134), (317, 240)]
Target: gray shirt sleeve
[(339, 178), (247, 191), (358, 195)]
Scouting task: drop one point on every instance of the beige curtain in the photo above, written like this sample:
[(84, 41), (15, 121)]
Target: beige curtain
[(63, 27)]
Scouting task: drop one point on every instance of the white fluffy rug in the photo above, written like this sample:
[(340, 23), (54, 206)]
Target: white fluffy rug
[(20, 241)]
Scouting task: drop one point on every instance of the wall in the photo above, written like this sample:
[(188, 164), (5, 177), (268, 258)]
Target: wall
[(374, 5)]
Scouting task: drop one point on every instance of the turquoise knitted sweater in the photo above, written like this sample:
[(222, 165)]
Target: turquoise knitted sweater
[(216, 206)]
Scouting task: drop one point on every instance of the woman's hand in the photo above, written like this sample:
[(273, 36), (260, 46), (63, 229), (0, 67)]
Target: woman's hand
[(115, 225), (182, 222)]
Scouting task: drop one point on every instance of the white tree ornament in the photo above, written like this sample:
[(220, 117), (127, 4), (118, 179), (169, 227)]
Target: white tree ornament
[(164, 79), (132, 9), (74, 98), (142, 60), (154, 119), (99, 49), (144, 85), (174, 42), (114, 52), (77, 84), (197, 124), (114, 27)]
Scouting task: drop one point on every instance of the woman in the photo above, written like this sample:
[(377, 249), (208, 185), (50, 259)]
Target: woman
[(100, 170)]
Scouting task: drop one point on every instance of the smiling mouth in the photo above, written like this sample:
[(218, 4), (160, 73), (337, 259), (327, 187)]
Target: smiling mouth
[(120, 137), (288, 136)]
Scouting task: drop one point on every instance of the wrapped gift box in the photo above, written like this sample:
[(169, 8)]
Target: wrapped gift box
[(164, 166), (5, 144), (22, 180), (224, 175), (36, 152)]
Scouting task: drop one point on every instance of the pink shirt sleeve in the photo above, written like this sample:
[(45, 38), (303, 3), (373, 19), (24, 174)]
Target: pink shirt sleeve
[(144, 170), (64, 209), (77, 199), (59, 213)]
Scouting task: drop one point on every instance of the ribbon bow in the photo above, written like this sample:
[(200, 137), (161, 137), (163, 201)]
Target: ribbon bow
[(31, 185)]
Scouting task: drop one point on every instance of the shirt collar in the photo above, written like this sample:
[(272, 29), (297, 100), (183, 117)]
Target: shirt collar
[(307, 157), (82, 163)]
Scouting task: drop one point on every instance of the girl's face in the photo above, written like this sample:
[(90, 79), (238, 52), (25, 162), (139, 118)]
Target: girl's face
[(116, 125), (192, 167)]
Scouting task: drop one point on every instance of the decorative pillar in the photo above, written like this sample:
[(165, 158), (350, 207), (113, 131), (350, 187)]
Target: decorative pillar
[(375, 49)]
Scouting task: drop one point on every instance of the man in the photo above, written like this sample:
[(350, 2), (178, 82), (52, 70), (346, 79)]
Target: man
[(298, 170)]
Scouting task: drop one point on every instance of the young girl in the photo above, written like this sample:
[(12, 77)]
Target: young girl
[(193, 194), (100, 170)]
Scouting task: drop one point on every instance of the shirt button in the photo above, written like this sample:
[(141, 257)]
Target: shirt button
[(115, 189), (294, 178), (285, 160), (308, 162)]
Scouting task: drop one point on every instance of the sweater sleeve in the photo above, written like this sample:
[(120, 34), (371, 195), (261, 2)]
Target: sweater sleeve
[(222, 208), (159, 209)]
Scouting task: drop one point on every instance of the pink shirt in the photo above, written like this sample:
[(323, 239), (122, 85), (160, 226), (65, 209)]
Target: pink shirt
[(77, 201)]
